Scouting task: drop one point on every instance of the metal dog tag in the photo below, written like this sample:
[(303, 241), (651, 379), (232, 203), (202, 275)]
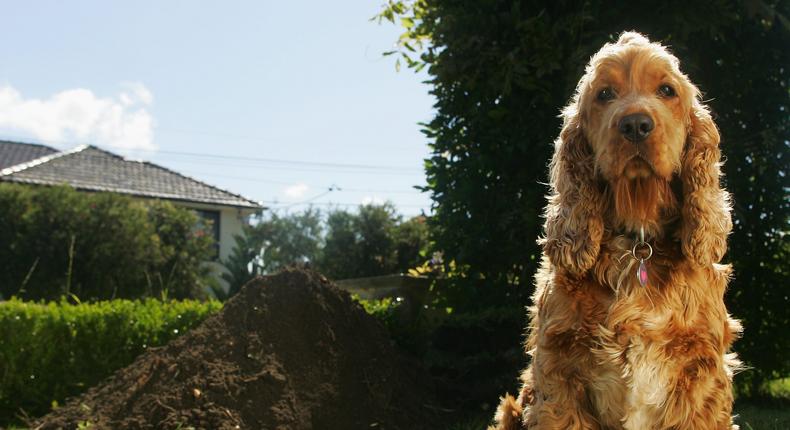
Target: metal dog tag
[(641, 272)]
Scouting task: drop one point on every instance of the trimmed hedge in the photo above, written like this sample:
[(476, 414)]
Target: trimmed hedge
[(50, 351)]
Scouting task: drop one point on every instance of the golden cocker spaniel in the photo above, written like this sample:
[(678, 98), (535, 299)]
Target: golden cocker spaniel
[(628, 325)]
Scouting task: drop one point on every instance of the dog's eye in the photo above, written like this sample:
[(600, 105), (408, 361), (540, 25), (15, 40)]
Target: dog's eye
[(606, 94), (666, 91)]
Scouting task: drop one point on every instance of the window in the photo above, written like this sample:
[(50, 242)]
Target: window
[(208, 222)]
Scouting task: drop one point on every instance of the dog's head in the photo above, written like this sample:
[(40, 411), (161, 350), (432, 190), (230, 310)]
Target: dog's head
[(635, 110), (634, 125)]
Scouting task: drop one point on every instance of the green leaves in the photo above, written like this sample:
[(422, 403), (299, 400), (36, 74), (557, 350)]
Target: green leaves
[(411, 43), (97, 245), (501, 70), (372, 241), (375, 241)]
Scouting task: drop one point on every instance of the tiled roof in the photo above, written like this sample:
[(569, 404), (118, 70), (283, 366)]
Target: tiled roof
[(90, 168), (13, 153)]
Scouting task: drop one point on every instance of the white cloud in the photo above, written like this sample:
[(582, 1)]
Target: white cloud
[(79, 116), (137, 92), (372, 200), (296, 191)]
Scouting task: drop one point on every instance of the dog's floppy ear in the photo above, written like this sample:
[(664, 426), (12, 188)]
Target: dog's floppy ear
[(574, 222), (706, 207)]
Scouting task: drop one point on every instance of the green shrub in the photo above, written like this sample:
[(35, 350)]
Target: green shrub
[(374, 241), (474, 356), (57, 241), (500, 70), (49, 351)]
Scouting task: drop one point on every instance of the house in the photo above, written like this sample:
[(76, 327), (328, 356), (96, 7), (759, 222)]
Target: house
[(89, 168)]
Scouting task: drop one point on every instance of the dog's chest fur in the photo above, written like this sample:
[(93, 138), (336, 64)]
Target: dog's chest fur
[(632, 331), (632, 378)]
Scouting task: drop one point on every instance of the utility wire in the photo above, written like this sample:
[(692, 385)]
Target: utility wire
[(246, 159), (329, 190), (289, 162), (300, 166), (317, 167), (267, 181), (250, 138), (281, 205), (370, 171)]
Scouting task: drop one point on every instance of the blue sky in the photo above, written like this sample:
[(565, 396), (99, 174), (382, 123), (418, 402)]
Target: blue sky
[(287, 98)]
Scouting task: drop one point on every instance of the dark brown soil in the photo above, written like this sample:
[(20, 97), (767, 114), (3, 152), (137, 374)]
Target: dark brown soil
[(290, 351)]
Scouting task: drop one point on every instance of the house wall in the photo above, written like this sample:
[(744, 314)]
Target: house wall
[(230, 224)]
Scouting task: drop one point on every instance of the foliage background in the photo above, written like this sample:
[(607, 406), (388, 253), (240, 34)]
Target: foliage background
[(374, 240), (58, 241), (501, 70)]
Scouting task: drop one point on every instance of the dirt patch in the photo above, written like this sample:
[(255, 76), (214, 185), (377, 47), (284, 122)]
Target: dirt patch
[(290, 351)]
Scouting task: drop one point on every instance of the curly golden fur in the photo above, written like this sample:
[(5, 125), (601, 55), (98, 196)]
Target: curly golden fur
[(638, 150)]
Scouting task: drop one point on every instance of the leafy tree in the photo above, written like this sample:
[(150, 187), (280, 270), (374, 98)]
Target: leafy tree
[(340, 249), (411, 242), (290, 239), (58, 241), (374, 241), (374, 226), (185, 246), (500, 70), (240, 266), (274, 242)]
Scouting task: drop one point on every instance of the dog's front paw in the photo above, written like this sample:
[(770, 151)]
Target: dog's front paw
[(508, 415)]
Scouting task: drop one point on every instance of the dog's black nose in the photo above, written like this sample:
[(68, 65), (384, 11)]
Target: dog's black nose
[(636, 127)]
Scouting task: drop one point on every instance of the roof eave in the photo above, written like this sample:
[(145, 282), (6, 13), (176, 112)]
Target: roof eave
[(251, 205)]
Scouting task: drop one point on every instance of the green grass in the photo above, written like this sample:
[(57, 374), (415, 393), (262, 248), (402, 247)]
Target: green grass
[(771, 415), (763, 417), (751, 416)]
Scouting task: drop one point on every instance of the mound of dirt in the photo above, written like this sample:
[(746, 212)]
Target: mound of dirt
[(290, 351)]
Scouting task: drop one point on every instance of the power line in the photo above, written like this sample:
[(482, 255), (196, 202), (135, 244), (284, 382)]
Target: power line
[(240, 178), (369, 171), (247, 159), (300, 166), (311, 201), (283, 205), (338, 188), (245, 137), (290, 162), (307, 166), (329, 190)]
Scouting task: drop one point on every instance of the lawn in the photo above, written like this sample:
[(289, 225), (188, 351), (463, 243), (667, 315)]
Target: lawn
[(768, 415), (771, 415), (753, 416)]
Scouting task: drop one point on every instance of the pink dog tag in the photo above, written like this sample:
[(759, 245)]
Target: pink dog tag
[(641, 273)]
